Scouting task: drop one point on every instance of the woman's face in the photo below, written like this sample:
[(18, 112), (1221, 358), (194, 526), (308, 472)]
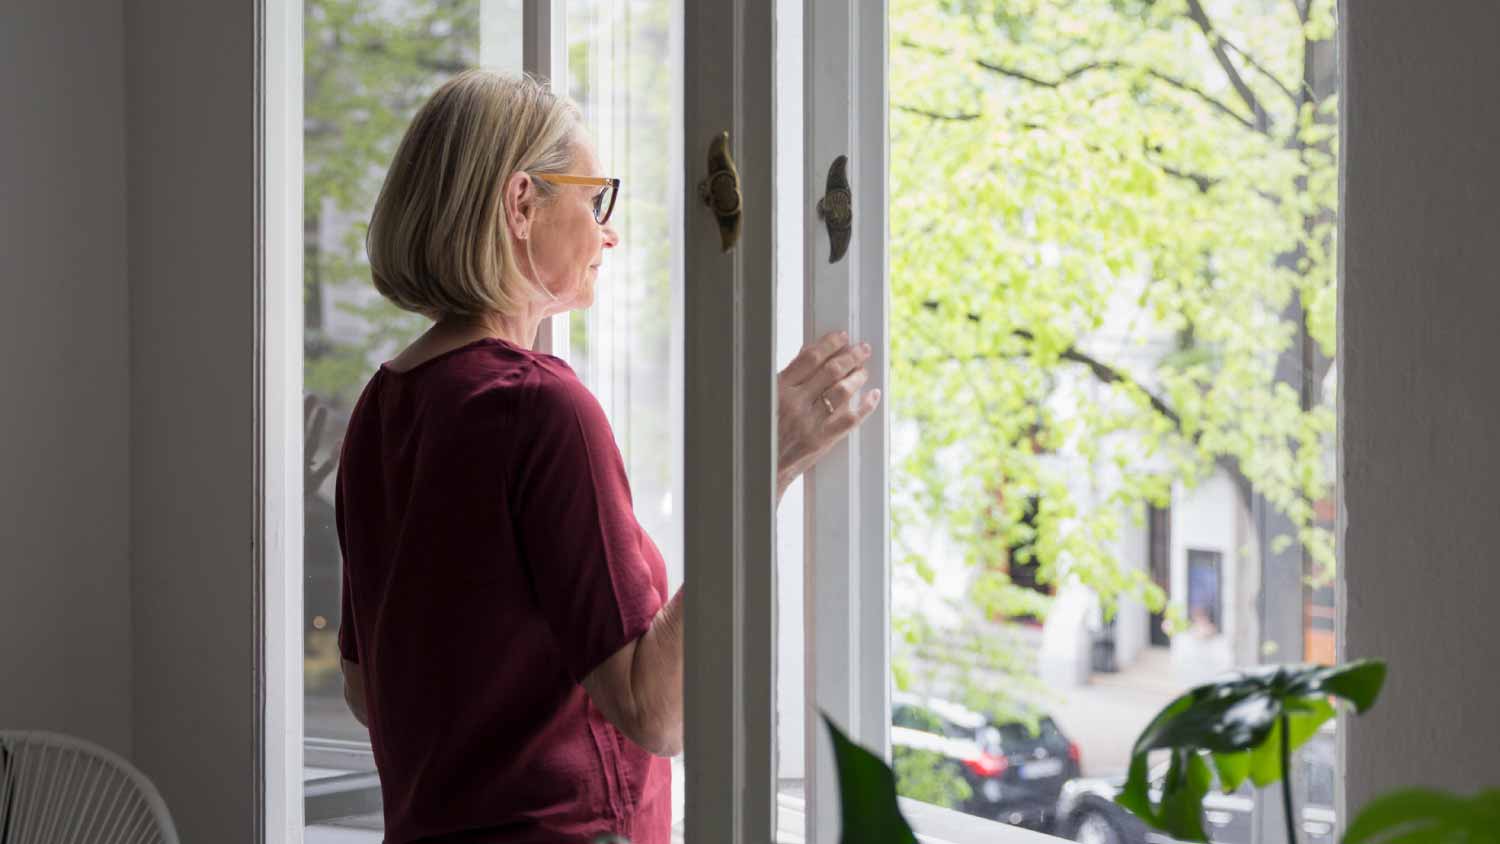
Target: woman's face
[(566, 244)]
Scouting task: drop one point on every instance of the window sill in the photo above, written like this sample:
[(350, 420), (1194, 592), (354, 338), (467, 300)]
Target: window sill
[(933, 825)]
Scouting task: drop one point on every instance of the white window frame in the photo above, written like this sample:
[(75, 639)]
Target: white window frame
[(278, 441), (730, 431), (847, 522)]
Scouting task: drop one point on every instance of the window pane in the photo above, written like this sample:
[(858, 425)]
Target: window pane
[(1112, 316), (367, 68), (625, 71)]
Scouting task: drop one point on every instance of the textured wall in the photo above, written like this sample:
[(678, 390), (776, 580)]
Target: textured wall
[(64, 397), (1421, 389)]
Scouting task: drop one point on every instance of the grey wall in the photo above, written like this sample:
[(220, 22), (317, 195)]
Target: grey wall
[(64, 415), (190, 71), (1421, 389)]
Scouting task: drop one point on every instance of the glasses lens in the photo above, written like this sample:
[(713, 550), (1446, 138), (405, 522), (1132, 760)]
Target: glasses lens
[(604, 203)]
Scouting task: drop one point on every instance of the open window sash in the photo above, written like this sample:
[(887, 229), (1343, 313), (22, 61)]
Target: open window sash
[(730, 426), (847, 529)]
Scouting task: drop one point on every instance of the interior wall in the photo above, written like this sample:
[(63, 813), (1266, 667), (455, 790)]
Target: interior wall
[(64, 420), (1420, 385), (191, 139)]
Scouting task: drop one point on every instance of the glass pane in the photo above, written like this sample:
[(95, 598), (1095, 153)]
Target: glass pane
[(625, 71), (624, 60), (1112, 316), (367, 68)]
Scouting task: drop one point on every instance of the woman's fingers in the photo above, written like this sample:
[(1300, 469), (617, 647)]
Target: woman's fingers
[(836, 369), (847, 419), (813, 355), (839, 394)]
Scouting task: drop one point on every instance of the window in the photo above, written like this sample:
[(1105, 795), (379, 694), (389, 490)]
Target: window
[(1093, 429), (367, 71), (1204, 598), (1104, 338), (367, 68)]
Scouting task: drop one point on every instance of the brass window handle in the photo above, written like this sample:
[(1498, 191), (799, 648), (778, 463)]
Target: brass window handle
[(720, 191), (836, 209)]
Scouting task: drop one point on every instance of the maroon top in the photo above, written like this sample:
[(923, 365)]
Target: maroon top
[(491, 561)]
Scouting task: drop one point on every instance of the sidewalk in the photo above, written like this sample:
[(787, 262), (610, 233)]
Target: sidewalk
[(1105, 716)]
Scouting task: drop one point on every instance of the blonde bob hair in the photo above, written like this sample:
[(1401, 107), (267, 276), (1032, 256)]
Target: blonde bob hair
[(438, 241)]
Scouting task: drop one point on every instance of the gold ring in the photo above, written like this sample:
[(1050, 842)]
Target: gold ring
[(828, 404)]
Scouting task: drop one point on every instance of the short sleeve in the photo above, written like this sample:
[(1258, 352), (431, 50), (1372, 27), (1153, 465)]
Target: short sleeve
[(585, 554)]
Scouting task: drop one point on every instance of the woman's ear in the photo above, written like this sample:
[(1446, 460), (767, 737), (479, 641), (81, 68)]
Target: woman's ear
[(519, 198)]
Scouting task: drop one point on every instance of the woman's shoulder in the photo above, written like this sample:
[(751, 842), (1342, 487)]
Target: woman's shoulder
[(553, 389)]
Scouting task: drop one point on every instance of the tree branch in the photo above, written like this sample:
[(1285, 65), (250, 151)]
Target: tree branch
[(1108, 374), (1216, 43), (1076, 72), (1271, 77), (1203, 183), (934, 115)]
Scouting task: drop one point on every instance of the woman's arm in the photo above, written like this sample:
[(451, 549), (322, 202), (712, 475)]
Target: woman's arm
[(639, 689)]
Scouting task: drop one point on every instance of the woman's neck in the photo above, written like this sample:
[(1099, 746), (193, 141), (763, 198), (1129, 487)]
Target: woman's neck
[(519, 330)]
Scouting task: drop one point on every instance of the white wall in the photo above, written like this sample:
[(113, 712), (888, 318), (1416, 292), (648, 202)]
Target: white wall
[(64, 417), (1420, 475)]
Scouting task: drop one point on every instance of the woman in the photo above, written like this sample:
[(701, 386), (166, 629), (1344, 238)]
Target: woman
[(507, 635)]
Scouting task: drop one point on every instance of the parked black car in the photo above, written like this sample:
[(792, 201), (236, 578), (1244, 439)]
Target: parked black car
[(1087, 813), (1016, 775)]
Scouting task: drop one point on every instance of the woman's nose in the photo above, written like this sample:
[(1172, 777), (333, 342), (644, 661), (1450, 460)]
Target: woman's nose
[(611, 237)]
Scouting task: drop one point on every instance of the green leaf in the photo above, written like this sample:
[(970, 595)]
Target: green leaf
[(1358, 682), (1187, 783), (1233, 768), (1305, 718), (1224, 721), (1427, 816), (867, 791), (1136, 795)]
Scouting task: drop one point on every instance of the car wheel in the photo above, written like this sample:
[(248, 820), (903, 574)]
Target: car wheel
[(1095, 828)]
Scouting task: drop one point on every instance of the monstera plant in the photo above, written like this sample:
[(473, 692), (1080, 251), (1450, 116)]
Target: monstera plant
[(1247, 727), (1425, 816), (1244, 728)]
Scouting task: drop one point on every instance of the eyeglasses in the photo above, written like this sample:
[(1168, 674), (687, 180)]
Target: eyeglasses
[(604, 200)]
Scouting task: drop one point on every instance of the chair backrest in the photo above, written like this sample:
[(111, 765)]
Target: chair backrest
[(56, 789)]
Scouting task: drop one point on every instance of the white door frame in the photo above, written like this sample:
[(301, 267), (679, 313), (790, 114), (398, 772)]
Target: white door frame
[(847, 610), (730, 431)]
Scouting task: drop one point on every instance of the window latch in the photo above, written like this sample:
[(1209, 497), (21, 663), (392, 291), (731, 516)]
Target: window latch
[(720, 191), (836, 209)]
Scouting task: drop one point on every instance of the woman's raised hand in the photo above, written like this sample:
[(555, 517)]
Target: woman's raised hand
[(816, 403)]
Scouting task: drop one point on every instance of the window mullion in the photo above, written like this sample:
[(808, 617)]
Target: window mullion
[(729, 417), (544, 54), (847, 607)]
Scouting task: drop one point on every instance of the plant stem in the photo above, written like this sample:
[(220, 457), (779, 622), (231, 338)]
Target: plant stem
[(1286, 779)]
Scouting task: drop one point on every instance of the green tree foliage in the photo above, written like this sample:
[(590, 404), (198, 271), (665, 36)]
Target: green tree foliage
[(367, 68), (1063, 167), (930, 777)]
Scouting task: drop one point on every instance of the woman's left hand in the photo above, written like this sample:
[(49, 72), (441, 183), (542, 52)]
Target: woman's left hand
[(816, 404)]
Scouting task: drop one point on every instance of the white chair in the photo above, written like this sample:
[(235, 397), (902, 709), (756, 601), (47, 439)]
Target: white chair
[(56, 789)]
